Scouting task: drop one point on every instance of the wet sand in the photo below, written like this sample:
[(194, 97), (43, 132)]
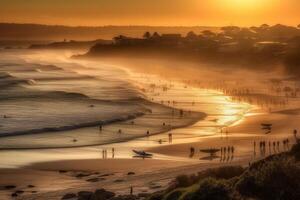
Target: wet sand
[(160, 170), (155, 174), (149, 175), (158, 178)]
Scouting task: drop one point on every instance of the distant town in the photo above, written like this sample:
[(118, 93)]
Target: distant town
[(252, 46)]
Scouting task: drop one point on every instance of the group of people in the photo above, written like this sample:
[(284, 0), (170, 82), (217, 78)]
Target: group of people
[(227, 150), (170, 139), (104, 153), (275, 145), (225, 132), (226, 153)]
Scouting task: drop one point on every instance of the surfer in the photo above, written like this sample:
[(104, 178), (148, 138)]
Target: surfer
[(170, 137), (295, 135), (192, 150), (131, 190)]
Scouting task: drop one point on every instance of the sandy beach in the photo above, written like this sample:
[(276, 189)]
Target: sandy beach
[(49, 165), (148, 175)]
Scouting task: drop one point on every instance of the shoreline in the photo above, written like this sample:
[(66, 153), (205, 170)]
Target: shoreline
[(169, 161), (159, 171), (70, 128), (201, 117)]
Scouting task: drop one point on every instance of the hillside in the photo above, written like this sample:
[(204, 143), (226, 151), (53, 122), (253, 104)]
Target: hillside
[(9, 31)]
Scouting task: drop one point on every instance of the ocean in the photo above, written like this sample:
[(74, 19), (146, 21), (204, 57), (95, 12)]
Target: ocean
[(48, 100)]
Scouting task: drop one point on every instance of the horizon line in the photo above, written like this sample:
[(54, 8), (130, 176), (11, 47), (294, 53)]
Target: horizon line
[(133, 25)]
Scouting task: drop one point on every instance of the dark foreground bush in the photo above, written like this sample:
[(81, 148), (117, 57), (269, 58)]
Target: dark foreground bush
[(276, 179), (185, 181), (227, 172), (210, 189), (295, 151), (157, 196), (175, 195)]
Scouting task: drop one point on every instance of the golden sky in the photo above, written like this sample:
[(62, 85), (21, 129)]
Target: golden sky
[(151, 12)]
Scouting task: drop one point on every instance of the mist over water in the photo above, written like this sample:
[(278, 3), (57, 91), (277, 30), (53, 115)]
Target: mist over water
[(50, 101), (36, 97)]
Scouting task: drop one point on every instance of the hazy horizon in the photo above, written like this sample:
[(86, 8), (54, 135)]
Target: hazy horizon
[(143, 25), (151, 13), (109, 25)]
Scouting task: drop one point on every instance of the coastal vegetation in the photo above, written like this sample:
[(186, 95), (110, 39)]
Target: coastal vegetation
[(261, 48), (275, 177)]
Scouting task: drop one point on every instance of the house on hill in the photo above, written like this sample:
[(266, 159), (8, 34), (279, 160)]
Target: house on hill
[(170, 39), (128, 41)]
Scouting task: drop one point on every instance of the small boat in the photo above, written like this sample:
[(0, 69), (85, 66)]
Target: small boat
[(268, 132), (142, 153), (266, 125), (210, 151)]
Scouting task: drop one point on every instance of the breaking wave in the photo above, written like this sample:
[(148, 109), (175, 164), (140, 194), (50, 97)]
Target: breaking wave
[(36, 98)]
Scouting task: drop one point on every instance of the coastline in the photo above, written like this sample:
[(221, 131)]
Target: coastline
[(170, 158), (160, 170), (160, 112), (71, 127), (200, 120), (149, 175)]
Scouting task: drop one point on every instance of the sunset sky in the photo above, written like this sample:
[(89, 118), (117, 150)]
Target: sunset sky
[(151, 12)]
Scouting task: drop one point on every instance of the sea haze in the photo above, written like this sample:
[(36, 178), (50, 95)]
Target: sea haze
[(39, 97)]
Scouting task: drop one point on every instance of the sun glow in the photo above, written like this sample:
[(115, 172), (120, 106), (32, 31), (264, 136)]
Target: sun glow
[(244, 4)]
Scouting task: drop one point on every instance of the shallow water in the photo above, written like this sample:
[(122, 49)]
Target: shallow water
[(36, 97), (59, 91), (220, 111)]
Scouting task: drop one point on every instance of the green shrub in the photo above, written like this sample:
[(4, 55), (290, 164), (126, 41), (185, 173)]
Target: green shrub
[(295, 151), (184, 181), (156, 196), (210, 189), (247, 186), (275, 179), (226, 172), (175, 195)]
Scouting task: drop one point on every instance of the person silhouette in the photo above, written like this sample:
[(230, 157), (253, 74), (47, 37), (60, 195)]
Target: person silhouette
[(113, 152), (170, 137), (131, 190), (192, 152)]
